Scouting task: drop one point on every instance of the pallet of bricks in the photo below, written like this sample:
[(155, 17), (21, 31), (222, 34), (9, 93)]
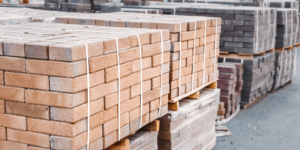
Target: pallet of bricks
[(86, 6), (202, 70), (231, 83), (51, 97)]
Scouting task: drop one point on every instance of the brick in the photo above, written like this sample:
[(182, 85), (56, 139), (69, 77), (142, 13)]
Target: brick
[(155, 103), (15, 48), (130, 104), (112, 125), (175, 83), (135, 113), (112, 73), (12, 93), (55, 99), (8, 145), (30, 138), (56, 128), (175, 64), (27, 110), (110, 46), (154, 94), (1, 78), (130, 80), (174, 37), (155, 49), (2, 107), (12, 121), (78, 113), (151, 73), (2, 133), (36, 148), (55, 68), (73, 85), (12, 64), (135, 125), (156, 81), (136, 89), (102, 62), (112, 100), (156, 60), (103, 90), (129, 55), (96, 120), (112, 138), (176, 46), (144, 39), (38, 50), (146, 63), (27, 81), (110, 113)]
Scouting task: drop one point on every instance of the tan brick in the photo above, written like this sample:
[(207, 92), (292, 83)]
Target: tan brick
[(12, 121), (156, 81), (27, 81), (175, 83), (56, 99), (146, 63), (112, 73), (155, 49), (56, 128), (136, 89), (173, 27), (103, 90), (55, 68), (175, 64), (73, 85), (176, 46), (110, 46), (30, 138), (112, 125), (186, 53), (1, 78), (38, 50), (156, 60), (151, 73), (12, 93), (130, 104), (144, 39), (2, 107), (174, 37), (12, 64), (135, 125), (36, 148), (102, 62), (153, 94), (110, 113), (129, 55), (155, 103), (8, 145), (78, 113), (27, 110), (96, 120), (188, 35), (2, 133), (135, 113), (15, 47), (112, 100), (112, 138), (130, 80)]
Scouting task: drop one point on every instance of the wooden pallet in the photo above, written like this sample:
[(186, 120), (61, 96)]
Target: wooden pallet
[(273, 91), (243, 56), (124, 144), (245, 106), (280, 50), (174, 104)]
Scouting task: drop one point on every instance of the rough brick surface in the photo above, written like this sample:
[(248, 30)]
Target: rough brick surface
[(6, 145), (27, 110), (27, 81), (12, 121)]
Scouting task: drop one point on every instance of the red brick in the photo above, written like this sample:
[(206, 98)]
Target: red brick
[(156, 60), (27, 81), (12, 121), (30, 138), (102, 62), (146, 63), (1, 78), (12, 64), (103, 90), (78, 113), (112, 73), (56, 99), (2, 107), (55, 68), (8, 145), (56, 128), (27, 110), (112, 100), (136, 89), (2, 133), (73, 85)]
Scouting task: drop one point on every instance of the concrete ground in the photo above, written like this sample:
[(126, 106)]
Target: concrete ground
[(273, 123)]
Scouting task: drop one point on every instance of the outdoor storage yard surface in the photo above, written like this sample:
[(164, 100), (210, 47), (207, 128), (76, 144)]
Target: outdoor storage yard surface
[(273, 123)]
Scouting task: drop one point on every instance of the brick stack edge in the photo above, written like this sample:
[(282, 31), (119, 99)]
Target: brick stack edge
[(43, 85), (231, 83), (193, 125), (171, 23)]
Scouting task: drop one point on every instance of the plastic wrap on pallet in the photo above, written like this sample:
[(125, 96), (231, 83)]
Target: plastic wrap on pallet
[(193, 125), (6, 19), (143, 140)]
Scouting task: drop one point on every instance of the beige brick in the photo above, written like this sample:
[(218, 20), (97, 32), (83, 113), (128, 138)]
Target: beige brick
[(112, 138), (36, 148), (175, 64), (173, 27), (15, 48), (38, 50), (31, 138), (155, 49), (12, 93), (176, 46), (27, 110), (112, 73), (8, 145), (103, 90), (112, 100), (136, 113), (135, 125), (146, 63), (2, 133), (78, 113), (130, 104), (110, 46), (102, 62), (136, 89), (55, 99), (174, 37), (55, 68), (144, 39), (12, 64), (27, 81), (112, 125), (175, 83), (154, 94), (2, 107), (96, 120), (1, 78), (73, 85), (156, 81), (155, 103), (110, 113), (12, 121), (56, 128), (151, 73), (156, 60), (129, 55), (186, 53), (130, 80)]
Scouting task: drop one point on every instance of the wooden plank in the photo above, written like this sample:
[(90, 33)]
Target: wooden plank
[(121, 145), (173, 106), (195, 95), (245, 106), (153, 126), (236, 56)]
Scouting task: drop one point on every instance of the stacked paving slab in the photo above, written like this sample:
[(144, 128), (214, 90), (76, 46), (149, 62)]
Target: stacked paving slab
[(258, 76), (193, 125), (231, 83), (107, 7), (8, 19), (285, 67), (189, 67), (143, 140), (43, 84)]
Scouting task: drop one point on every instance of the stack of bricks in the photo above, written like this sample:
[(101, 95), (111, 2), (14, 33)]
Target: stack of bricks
[(244, 29), (258, 76), (193, 125), (231, 83), (187, 32), (43, 84), (10, 19), (107, 7), (143, 140), (53, 4), (77, 6), (146, 11), (285, 67), (136, 2)]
